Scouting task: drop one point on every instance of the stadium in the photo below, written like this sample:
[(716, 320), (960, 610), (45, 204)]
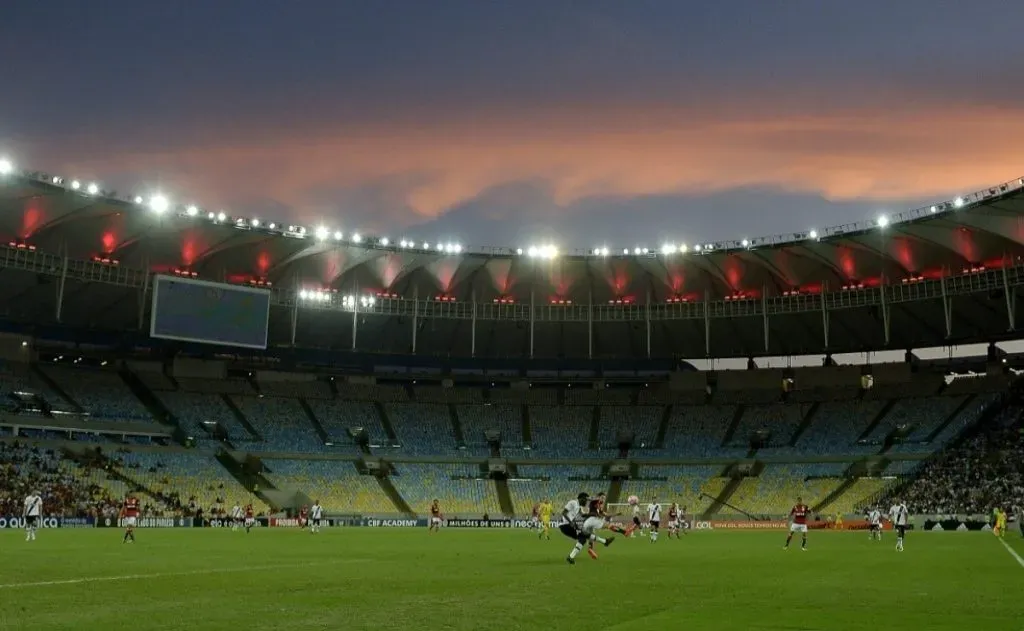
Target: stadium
[(202, 361)]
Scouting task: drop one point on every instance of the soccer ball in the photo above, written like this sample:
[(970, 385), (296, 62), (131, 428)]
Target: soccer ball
[(633, 500)]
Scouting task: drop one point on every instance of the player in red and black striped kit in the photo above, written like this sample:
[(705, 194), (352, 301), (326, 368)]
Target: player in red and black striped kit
[(130, 512), (798, 523)]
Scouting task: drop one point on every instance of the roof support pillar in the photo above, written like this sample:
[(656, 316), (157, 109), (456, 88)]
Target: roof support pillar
[(295, 319), (885, 312), (824, 313), (764, 315), (60, 285), (415, 316), (472, 328), (947, 305), (143, 293), (355, 318), (647, 321), (590, 324), (707, 324), (1011, 299), (533, 317)]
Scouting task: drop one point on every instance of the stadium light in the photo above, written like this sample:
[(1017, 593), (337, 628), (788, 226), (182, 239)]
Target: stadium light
[(356, 238), (958, 202), (669, 248), (192, 211), (384, 241), (93, 189), (426, 246), (255, 223), (338, 235), (934, 209), (457, 247), (321, 233), (221, 216), (683, 249), (157, 203), (625, 250), (882, 221), (6, 166), (138, 198), (58, 180), (745, 243), (75, 185), (813, 234)]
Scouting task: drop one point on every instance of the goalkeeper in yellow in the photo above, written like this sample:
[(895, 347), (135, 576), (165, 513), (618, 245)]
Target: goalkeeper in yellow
[(544, 514), (1000, 519)]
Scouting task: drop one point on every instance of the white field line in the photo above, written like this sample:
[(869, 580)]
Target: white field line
[(1012, 552), (131, 577)]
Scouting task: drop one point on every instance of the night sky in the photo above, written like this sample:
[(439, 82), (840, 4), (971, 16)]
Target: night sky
[(508, 123)]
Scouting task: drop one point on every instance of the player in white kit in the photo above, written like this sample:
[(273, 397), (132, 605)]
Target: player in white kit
[(900, 517), (236, 518), (654, 518), (316, 517), (874, 519), (33, 514)]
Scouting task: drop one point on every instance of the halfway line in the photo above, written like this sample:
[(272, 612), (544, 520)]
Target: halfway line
[(128, 577), (1012, 552)]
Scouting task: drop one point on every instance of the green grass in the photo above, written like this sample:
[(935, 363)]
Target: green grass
[(479, 579)]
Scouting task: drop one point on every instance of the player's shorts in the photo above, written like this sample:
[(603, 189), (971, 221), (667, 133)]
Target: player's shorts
[(875, 527), (592, 525), (654, 524), (674, 524), (435, 521), (129, 522), (534, 522), (318, 522), (249, 521), (32, 521), (636, 521), (798, 528), (901, 530)]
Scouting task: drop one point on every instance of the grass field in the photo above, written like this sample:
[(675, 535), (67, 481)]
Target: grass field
[(500, 579)]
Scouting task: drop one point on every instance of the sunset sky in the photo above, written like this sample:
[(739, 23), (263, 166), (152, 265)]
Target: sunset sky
[(507, 123)]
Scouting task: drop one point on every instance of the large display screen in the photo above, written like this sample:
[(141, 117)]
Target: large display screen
[(192, 310)]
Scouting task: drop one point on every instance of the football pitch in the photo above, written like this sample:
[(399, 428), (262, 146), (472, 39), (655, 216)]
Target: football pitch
[(502, 579)]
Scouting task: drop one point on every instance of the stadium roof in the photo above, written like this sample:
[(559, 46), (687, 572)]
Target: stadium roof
[(935, 248), (980, 229)]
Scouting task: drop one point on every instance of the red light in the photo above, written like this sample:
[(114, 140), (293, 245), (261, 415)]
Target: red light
[(385, 294), (677, 299), (561, 302), (974, 269), (105, 260), (504, 300), (444, 298)]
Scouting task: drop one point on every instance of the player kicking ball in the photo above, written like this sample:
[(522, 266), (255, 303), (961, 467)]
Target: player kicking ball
[(798, 523)]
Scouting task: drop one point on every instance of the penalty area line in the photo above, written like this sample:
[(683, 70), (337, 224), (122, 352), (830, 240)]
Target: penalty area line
[(130, 577), (1012, 552)]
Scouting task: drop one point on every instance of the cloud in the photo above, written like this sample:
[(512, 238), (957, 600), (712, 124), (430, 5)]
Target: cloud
[(406, 171)]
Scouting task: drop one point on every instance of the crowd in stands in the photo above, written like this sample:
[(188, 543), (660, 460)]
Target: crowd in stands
[(67, 488), (987, 471)]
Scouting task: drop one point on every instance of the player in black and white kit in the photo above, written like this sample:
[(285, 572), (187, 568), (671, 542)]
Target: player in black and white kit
[(571, 525), (316, 517), (874, 519), (236, 518), (900, 517), (654, 518), (32, 514)]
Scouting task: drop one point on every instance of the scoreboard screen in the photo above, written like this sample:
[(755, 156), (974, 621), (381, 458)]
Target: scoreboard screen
[(190, 310)]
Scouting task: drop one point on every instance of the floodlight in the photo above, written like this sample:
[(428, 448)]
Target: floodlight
[(75, 185), (6, 167), (158, 203), (93, 189), (934, 209), (532, 251), (272, 226), (221, 216), (426, 246), (882, 221), (338, 235), (211, 216), (668, 248), (303, 294), (58, 180), (958, 202), (255, 223), (191, 211), (321, 233), (457, 247), (519, 251), (384, 241), (625, 250), (356, 238), (138, 198), (683, 248), (813, 234), (745, 243), (698, 247)]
